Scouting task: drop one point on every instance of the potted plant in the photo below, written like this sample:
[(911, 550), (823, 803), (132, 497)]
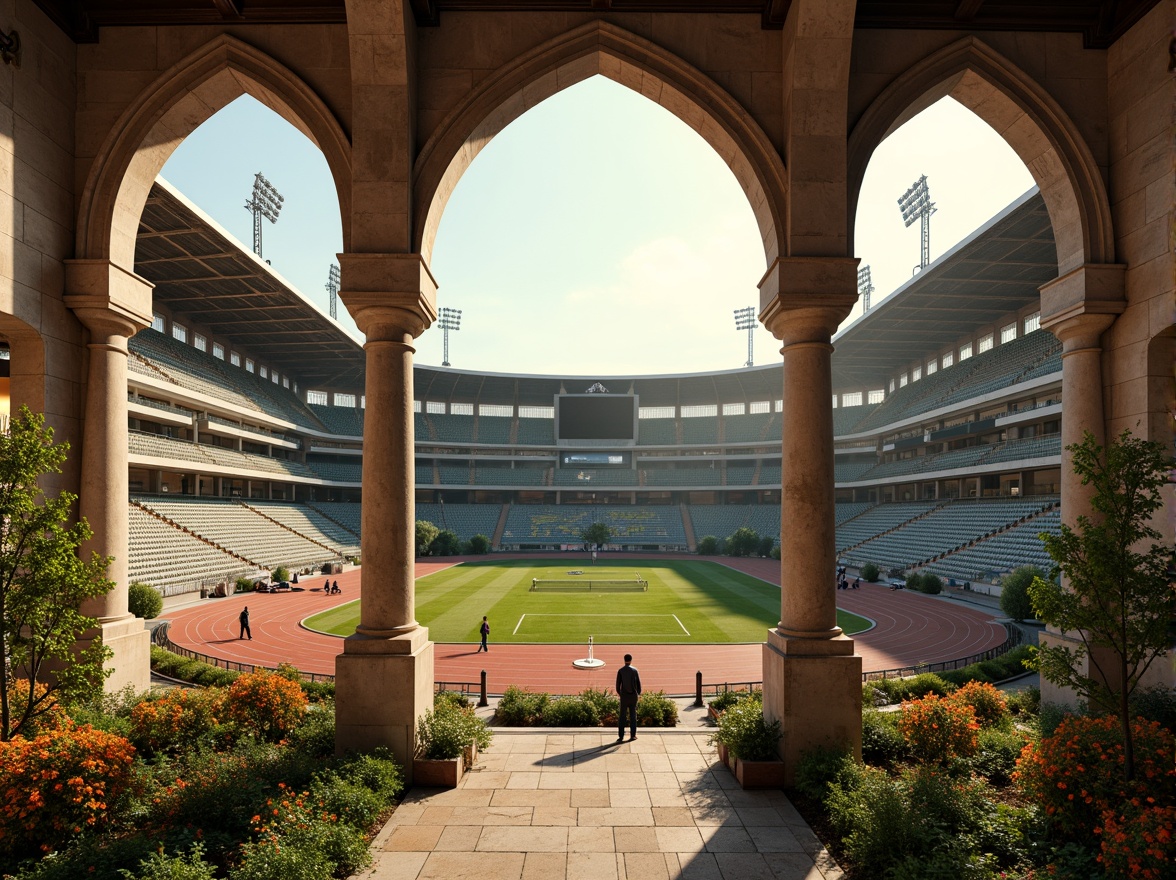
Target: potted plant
[(448, 737), (751, 743), (722, 702)]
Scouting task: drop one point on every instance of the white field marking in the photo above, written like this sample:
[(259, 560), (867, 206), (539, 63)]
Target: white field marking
[(517, 625), (652, 635), (675, 616)]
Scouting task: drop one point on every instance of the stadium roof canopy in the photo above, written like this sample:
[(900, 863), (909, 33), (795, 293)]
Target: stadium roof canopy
[(994, 271), (203, 273)]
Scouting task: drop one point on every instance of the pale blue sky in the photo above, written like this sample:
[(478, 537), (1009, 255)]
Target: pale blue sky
[(597, 234)]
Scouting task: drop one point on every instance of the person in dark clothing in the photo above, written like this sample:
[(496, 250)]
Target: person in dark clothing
[(484, 629), (629, 690), (243, 617), (335, 588)]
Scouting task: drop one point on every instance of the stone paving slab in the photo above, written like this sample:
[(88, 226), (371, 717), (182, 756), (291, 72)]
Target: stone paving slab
[(543, 806)]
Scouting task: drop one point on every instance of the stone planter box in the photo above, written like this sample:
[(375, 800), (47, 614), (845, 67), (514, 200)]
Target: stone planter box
[(759, 774), (723, 755), (438, 774)]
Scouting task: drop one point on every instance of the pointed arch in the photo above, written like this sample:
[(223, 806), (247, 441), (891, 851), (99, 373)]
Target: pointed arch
[(1021, 112), (170, 109), (605, 49)]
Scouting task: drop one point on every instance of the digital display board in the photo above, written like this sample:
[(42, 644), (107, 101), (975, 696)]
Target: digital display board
[(596, 417), (595, 459)]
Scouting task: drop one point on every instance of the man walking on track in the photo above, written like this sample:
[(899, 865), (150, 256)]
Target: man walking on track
[(485, 631), (628, 689), (244, 618)]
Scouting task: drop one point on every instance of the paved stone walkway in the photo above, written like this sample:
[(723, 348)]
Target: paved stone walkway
[(568, 806)]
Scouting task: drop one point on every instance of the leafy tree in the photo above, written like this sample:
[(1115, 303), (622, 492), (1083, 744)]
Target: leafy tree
[(745, 542), (870, 572), (445, 544), (767, 542), (708, 546), (1014, 592), (1118, 597), (479, 545), (426, 534), (597, 534), (43, 582)]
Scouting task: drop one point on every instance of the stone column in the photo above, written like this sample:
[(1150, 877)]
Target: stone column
[(812, 677), (1078, 308), (113, 304), (384, 677)]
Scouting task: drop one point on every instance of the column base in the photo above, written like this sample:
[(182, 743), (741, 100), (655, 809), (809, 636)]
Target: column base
[(814, 688), (382, 686), (130, 663)]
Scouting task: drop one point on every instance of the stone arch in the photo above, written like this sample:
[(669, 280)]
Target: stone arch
[(1025, 115), (600, 48), (170, 109)]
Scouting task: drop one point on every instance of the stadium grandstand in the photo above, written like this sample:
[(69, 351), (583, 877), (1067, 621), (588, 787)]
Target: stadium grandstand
[(246, 443)]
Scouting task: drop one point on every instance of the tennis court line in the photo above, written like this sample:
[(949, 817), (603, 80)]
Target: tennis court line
[(675, 616), (517, 625)]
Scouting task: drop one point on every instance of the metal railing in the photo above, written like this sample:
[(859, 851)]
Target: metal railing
[(465, 688), (1014, 639)]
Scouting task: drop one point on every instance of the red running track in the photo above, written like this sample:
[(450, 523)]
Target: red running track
[(911, 628)]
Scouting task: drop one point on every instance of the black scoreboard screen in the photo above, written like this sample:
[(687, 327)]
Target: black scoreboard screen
[(596, 417)]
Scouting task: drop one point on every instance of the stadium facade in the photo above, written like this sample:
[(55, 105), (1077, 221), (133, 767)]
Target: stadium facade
[(794, 95)]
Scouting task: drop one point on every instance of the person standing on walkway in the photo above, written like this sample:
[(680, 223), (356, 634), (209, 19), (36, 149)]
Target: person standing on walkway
[(629, 690), (484, 629), (244, 618)]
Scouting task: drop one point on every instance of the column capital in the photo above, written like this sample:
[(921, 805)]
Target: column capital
[(804, 299), (108, 299), (388, 295), (1079, 306)]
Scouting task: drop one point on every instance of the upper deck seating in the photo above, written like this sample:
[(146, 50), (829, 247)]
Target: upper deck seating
[(536, 432), (494, 429), (700, 430), (346, 513), (338, 471), (749, 428), (846, 418), (344, 420), (503, 475), (546, 524), (657, 432)]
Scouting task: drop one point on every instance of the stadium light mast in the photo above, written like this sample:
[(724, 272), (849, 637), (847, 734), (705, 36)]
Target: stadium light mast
[(265, 202), (916, 204), (450, 319), (865, 287), (745, 320), (333, 289)]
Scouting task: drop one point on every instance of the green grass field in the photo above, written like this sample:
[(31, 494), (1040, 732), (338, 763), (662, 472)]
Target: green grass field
[(687, 602)]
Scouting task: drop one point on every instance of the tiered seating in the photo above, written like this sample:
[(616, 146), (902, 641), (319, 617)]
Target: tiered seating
[(545, 524), (156, 404), (1002, 553), (764, 520), (338, 471), (310, 523), (464, 520), (683, 476), (346, 513), (1049, 446), (770, 475), (655, 432), (878, 519), (344, 420), (700, 430), (943, 529), (425, 475), (174, 561), (748, 428), (239, 530), (494, 429), (485, 475), (536, 432), (846, 418), (719, 520), (740, 474), (847, 471), (143, 443), (189, 368), (846, 511), (595, 477), (450, 428), (454, 474)]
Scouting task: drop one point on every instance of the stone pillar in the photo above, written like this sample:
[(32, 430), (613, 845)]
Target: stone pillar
[(113, 304), (812, 677), (384, 677), (1078, 308)]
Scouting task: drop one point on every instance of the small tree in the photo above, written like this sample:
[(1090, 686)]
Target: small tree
[(597, 534), (1014, 592), (426, 533), (144, 600), (708, 546), (1118, 597), (43, 582), (479, 545), (766, 543), (445, 544), (870, 572), (745, 542)]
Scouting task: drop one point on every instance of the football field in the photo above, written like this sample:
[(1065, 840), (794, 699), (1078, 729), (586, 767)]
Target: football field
[(684, 602)]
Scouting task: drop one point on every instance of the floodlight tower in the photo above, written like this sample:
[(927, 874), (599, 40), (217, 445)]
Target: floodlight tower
[(916, 204), (865, 287), (266, 202), (332, 286), (450, 319), (745, 320)]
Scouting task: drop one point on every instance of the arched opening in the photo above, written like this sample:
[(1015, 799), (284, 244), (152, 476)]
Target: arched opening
[(633, 264)]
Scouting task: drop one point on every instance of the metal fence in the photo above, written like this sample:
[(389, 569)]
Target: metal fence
[(1014, 638)]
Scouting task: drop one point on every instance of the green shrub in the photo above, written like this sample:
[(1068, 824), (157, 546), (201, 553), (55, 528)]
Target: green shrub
[(708, 546), (479, 545), (1026, 701), (521, 708), (144, 601), (870, 573), (914, 580), (157, 866), (819, 768), (281, 573), (607, 704), (315, 736), (1014, 592), (724, 701), (931, 584), (655, 709), (244, 585), (351, 802), (746, 733), (570, 712), (282, 861), (376, 770), (452, 698), (1156, 704), (997, 756), (899, 689), (449, 732), (882, 744)]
